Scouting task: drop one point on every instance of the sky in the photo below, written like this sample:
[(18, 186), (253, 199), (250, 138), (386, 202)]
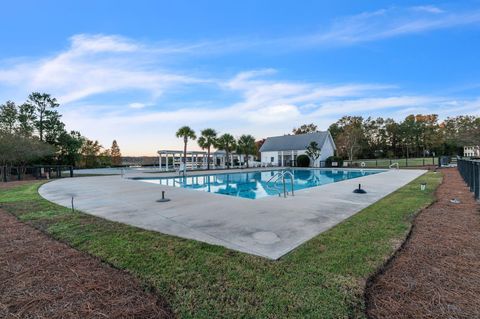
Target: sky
[(136, 71)]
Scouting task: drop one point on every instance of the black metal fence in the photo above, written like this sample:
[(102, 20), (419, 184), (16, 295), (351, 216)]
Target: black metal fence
[(470, 171), (387, 162), (12, 173)]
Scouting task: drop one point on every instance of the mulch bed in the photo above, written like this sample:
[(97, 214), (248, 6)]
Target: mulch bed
[(43, 278), (436, 274)]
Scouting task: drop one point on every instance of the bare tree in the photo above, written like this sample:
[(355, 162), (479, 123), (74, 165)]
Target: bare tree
[(348, 142)]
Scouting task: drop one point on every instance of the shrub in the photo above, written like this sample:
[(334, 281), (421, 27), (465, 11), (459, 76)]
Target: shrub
[(303, 161), (336, 159)]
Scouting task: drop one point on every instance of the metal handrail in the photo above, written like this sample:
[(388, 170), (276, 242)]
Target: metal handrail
[(394, 164), (280, 176), (277, 175), (291, 181)]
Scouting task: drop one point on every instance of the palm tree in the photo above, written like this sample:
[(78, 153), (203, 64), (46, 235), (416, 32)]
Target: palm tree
[(206, 141), (187, 133), (246, 145), (227, 143)]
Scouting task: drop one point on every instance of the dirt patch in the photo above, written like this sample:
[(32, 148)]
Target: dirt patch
[(43, 278), (436, 274)]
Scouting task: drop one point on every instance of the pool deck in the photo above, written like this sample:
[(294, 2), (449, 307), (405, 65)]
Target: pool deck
[(269, 227)]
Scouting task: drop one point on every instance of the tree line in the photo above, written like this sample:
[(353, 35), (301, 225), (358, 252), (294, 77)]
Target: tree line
[(33, 133), (209, 138), (415, 136)]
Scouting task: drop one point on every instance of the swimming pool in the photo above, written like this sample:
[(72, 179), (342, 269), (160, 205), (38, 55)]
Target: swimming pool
[(255, 184)]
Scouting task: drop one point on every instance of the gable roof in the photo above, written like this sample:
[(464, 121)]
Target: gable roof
[(295, 142)]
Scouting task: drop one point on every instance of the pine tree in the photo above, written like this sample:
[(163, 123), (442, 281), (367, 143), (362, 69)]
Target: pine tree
[(116, 154)]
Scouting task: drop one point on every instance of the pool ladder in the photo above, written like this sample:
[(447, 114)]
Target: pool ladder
[(280, 178), (394, 165)]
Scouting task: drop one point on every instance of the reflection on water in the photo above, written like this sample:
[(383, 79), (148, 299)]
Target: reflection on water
[(254, 184)]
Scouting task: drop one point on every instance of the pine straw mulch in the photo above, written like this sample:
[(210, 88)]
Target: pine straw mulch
[(6, 185), (436, 274), (43, 278)]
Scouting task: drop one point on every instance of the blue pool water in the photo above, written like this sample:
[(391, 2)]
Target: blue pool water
[(254, 185)]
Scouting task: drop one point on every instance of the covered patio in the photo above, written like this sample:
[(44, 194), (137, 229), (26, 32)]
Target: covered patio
[(170, 160)]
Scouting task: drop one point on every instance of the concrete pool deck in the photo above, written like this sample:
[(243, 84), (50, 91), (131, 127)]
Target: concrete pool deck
[(269, 227)]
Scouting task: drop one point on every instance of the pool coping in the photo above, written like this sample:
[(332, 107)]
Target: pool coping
[(255, 171)]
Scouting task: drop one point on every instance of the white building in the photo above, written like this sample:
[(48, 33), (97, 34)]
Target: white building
[(471, 151), (283, 150)]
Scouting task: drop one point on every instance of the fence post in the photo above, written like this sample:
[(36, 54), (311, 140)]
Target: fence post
[(471, 177), (71, 171), (4, 173), (406, 161), (477, 180)]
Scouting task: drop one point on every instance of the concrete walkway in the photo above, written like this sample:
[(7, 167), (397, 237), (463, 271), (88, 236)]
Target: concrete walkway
[(268, 227)]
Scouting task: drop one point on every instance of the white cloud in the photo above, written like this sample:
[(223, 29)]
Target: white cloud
[(261, 92), (428, 8), (137, 105), (371, 104), (82, 43), (387, 23), (95, 64)]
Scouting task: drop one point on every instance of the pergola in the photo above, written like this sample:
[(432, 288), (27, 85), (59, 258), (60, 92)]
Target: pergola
[(177, 157)]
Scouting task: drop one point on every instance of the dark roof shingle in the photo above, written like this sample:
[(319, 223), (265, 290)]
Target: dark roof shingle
[(293, 142)]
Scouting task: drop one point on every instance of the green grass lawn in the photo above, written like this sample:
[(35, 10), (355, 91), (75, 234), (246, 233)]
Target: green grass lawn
[(323, 278)]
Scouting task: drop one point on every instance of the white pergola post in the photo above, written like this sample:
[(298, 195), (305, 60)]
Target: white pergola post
[(281, 154), (292, 157)]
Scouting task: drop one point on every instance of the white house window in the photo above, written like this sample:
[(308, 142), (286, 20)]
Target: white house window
[(272, 159)]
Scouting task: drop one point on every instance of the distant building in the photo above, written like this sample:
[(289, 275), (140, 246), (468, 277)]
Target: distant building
[(471, 151), (283, 150)]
